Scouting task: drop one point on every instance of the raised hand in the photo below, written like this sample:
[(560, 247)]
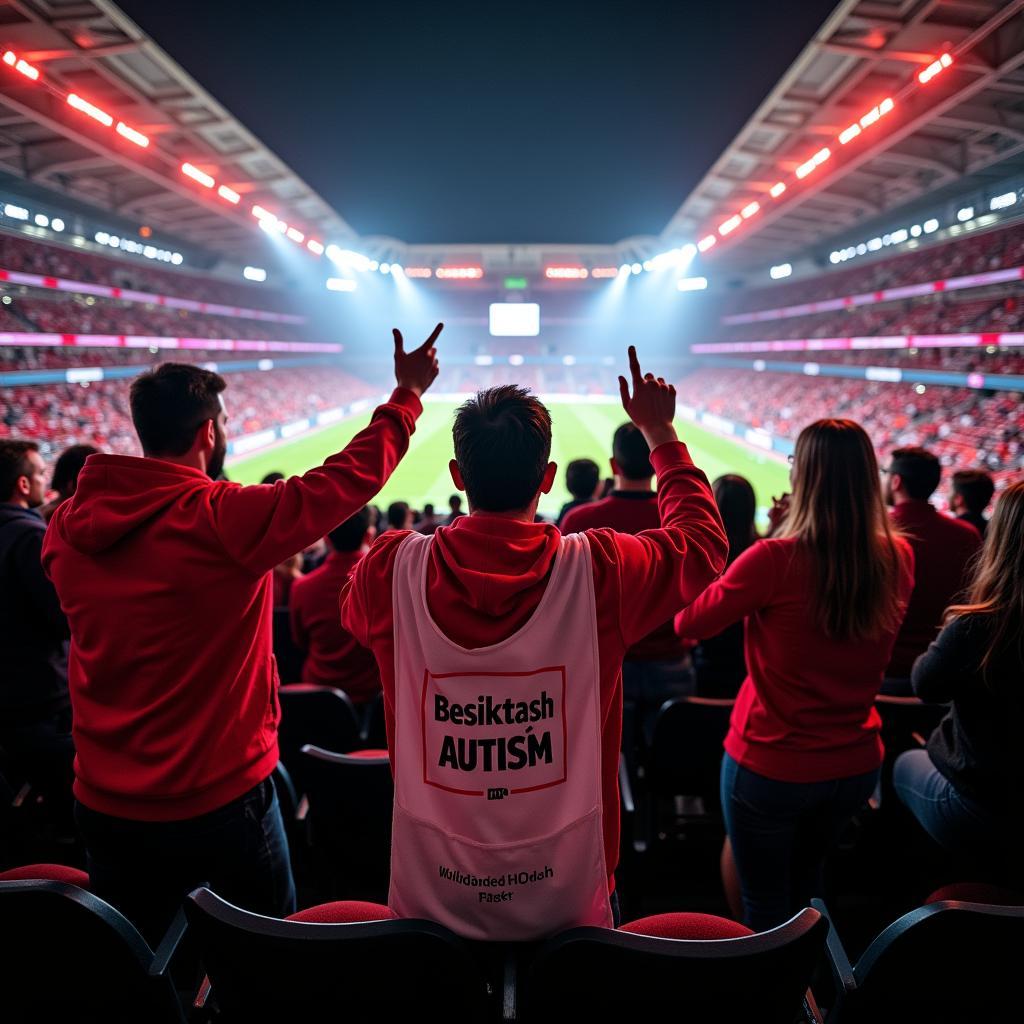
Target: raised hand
[(417, 369), (652, 405)]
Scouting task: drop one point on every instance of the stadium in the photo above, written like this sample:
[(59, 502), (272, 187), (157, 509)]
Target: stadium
[(741, 714)]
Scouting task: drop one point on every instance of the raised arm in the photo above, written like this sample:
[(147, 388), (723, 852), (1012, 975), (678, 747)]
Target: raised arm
[(656, 572), (261, 526)]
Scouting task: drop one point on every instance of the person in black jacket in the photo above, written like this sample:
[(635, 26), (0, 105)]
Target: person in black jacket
[(967, 788), (35, 710)]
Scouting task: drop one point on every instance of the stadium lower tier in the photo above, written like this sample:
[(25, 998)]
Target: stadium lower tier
[(964, 427)]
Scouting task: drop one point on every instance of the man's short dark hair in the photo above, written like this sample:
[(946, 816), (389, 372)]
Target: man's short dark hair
[(428, 509), (919, 470), (272, 477), (170, 403), (581, 478), (349, 535), (631, 453), (975, 487), (14, 464), (398, 514), (502, 445), (454, 502), (69, 465)]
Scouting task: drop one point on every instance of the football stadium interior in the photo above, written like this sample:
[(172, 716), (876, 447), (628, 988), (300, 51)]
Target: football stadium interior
[(854, 253)]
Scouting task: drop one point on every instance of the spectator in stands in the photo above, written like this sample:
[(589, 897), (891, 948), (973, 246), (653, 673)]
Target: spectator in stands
[(35, 711), (943, 548), (428, 522), (165, 576), (399, 516), (972, 491), (478, 614), (333, 658), (455, 509), (272, 477), (967, 788), (65, 476), (582, 478), (659, 666), (718, 660), (823, 601)]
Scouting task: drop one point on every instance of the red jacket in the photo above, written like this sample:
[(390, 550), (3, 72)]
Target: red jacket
[(805, 712), (333, 658), (487, 574), (629, 512), (165, 577), (943, 549)]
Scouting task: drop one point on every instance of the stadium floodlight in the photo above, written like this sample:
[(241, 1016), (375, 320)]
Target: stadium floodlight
[(41, 220), (1002, 201), (515, 359), (21, 66), (89, 109), (341, 284), (835, 256), (692, 284), (315, 247), (385, 268), (602, 272), (568, 360), (295, 235), (805, 168), (915, 230), (730, 225), (193, 172), (874, 244), (348, 259), (930, 226), (777, 189), (706, 242), (625, 270), (229, 194), (886, 105), (849, 134), (177, 259), (56, 224), (935, 68), (132, 135), (15, 212), (254, 274), (261, 214), (566, 273), (635, 268), (965, 213), (898, 237), (424, 272), (780, 271), (750, 209)]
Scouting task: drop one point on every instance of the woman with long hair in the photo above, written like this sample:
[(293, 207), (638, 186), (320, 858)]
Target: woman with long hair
[(718, 660), (823, 600), (967, 788)]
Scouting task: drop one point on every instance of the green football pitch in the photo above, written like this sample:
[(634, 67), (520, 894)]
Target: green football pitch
[(579, 431)]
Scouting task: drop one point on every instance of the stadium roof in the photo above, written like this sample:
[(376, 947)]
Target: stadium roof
[(967, 115), (90, 49)]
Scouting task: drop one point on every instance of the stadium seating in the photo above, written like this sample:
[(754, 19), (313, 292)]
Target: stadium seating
[(70, 956), (362, 971), (722, 973), (318, 715), (946, 962)]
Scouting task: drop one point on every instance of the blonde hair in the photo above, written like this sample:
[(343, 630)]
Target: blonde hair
[(838, 515), (997, 589)]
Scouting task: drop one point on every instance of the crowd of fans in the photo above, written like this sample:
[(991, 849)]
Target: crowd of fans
[(35, 257), (989, 360)]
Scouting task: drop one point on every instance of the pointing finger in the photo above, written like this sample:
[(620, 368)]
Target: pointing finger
[(398, 340), (433, 337), (634, 365), (624, 393)]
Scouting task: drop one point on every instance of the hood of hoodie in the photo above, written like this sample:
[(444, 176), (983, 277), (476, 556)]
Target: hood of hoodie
[(485, 565), (118, 494)]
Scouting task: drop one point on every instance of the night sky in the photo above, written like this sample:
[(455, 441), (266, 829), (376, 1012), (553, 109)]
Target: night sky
[(475, 122)]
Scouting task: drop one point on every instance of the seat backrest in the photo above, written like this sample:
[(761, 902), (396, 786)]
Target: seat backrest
[(902, 717), (320, 715), (945, 961), (612, 975), (265, 969), (350, 807), (686, 747), (69, 956)]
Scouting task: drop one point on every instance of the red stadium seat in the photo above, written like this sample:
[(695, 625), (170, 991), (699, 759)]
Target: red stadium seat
[(319, 715), (977, 892), (50, 872), (344, 912), (687, 926)]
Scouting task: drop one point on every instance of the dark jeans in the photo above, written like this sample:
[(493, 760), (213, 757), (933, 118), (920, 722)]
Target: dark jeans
[(780, 833), (984, 842), (43, 752), (146, 868)]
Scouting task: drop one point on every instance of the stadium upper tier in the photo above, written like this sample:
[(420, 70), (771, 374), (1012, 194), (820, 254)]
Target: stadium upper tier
[(969, 254), (75, 266)]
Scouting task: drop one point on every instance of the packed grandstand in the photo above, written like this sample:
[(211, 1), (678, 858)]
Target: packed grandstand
[(771, 373)]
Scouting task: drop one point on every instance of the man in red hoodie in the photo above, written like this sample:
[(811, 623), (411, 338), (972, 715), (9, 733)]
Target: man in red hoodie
[(164, 573), (478, 599)]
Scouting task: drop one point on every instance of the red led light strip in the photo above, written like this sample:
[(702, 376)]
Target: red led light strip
[(144, 341), (807, 167), (140, 139)]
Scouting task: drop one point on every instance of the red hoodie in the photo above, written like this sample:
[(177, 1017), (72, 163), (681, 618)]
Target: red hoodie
[(165, 577), (487, 574)]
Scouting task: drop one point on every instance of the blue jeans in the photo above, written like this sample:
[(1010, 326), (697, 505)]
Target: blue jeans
[(780, 833), (981, 838), (146, 868)]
